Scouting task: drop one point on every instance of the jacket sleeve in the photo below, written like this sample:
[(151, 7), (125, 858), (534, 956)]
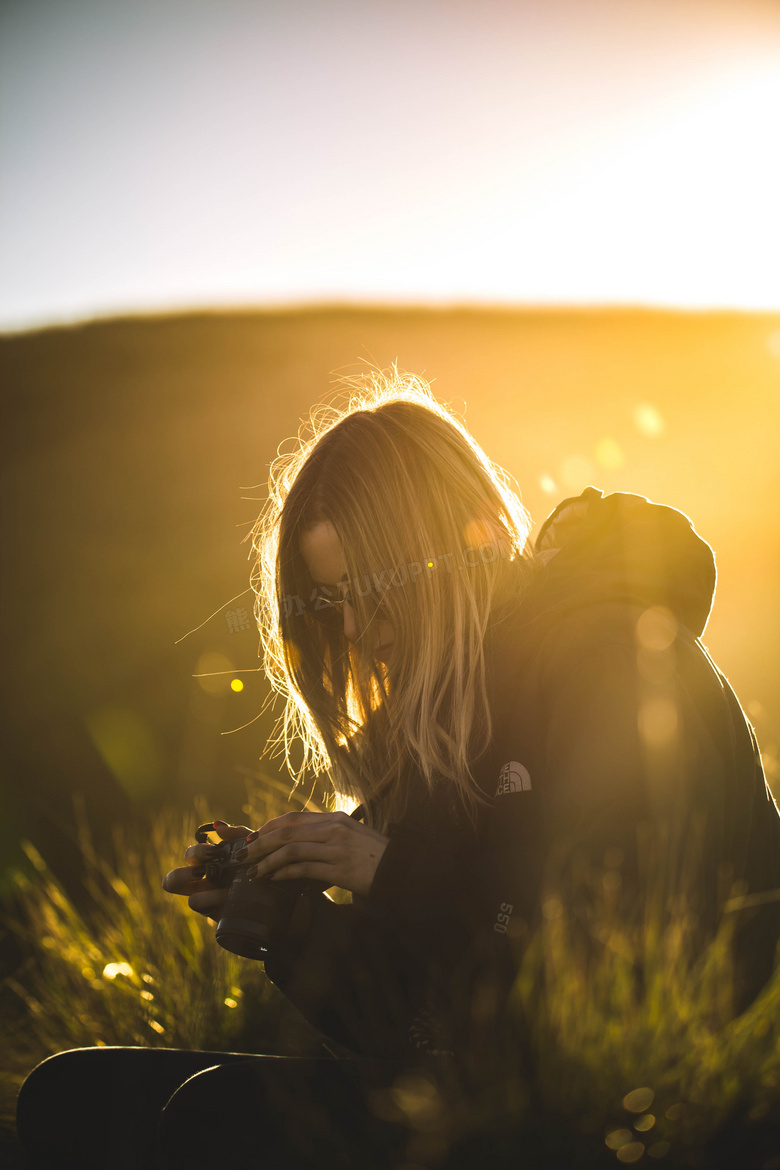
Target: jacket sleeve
[(362, 973), (349, 977)]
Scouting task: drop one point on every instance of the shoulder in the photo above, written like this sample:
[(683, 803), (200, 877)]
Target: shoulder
[(605, 653), (593, 642), (587, 629), (645, 638)]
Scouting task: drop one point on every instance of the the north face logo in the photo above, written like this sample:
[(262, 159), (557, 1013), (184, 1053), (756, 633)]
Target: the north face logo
[(513, 777)]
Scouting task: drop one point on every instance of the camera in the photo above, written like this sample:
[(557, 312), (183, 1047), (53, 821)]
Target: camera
[(256, 911)]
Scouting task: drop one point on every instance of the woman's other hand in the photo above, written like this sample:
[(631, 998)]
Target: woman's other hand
[(326, 847), (189, 881)]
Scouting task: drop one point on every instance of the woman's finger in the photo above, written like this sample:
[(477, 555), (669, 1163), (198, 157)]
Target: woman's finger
[(208, 902), (334, 828), (204, 851), (230, 832), (186, 879), (271, 842), (319, 871), (198, 854), (299, 817), (297, 852)]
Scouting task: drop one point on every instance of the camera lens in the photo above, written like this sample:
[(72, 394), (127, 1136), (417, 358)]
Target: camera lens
[(255, 912)]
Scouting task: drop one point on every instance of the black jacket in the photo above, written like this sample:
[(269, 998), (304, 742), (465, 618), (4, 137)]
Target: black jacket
[(610, 721)]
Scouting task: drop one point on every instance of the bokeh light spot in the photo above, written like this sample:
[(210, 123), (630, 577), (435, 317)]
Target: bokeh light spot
[(128, 746), (631, 1152), (756, 710), (656, 628), (418, 1100), (576, 472), (643, 1124), (618, 1138), (649, 421), (211, 670), (609, 455), (111, 970), (548, 484), (236, 684)]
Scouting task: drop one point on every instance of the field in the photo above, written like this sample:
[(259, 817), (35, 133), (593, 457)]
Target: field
[(135, 454)]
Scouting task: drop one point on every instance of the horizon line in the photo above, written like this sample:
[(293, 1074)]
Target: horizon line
[(303, 305)]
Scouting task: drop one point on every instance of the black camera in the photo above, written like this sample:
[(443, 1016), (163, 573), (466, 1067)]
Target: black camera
[(257, 911)]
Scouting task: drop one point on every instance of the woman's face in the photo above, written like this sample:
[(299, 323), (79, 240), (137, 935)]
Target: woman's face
[(321, 550)]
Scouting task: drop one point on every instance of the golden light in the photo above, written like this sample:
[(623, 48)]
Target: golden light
[(576, 472), (111, 970), (548, 484), (631, 1152), (609, 456), (658, 721), (126, 742), (418, 1099), (638, 1100), (656, 628), (618, 1138), (210, 672), (236, 685), (649, 421)]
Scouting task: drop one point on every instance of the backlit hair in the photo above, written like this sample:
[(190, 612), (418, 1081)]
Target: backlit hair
[(409, 493)]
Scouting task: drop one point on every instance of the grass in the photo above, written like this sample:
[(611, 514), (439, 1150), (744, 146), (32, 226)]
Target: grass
[(622, 1068), (133, 965), (621, 1043)]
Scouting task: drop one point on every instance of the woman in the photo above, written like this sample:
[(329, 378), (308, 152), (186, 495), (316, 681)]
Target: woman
[(505, 716)]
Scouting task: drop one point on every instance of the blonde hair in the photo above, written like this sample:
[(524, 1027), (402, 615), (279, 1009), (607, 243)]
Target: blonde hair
[(408, 491)]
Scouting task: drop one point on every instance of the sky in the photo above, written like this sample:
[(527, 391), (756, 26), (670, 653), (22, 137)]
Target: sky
[(169, 154)]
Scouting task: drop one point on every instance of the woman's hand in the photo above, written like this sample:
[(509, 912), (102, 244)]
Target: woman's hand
[(189, 881), (328, 847)]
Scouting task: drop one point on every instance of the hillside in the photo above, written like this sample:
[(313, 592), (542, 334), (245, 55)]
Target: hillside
[(135, 451)]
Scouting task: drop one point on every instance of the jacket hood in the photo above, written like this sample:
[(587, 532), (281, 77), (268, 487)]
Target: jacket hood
[(623, 547)]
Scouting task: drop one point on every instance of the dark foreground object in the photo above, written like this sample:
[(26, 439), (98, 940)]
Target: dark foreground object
[(171, 1109)]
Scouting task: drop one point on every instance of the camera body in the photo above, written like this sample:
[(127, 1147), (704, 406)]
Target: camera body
[(257, 911)]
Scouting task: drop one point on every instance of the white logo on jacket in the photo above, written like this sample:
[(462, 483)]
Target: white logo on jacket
[(513, 777)]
